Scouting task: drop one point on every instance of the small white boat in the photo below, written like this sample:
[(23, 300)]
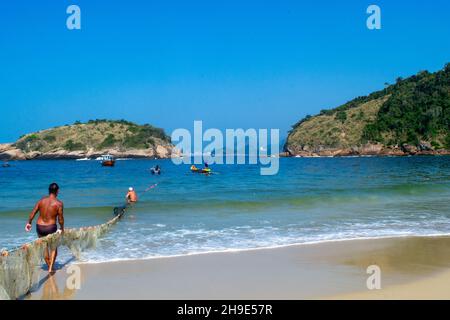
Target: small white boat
[(83, 159)]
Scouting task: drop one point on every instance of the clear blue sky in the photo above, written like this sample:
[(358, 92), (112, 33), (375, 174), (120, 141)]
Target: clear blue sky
[(259, 64)]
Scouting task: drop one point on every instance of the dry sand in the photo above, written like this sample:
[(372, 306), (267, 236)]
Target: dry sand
[(411, 268)]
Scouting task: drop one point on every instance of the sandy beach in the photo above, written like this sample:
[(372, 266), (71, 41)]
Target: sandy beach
[(411, 268)]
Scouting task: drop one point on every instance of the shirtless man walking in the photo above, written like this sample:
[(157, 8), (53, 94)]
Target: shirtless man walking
[(50, 209)]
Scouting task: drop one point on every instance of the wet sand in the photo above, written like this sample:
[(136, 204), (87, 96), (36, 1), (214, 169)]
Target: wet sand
[(411, 268)]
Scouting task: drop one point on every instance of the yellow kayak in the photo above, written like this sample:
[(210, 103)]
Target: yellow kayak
[(197, 170)]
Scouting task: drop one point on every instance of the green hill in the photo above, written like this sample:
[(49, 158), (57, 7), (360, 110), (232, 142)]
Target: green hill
[(411, 116), (95, 135)]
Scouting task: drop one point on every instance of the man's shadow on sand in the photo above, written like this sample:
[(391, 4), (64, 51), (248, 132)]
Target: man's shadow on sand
[(49, 285)]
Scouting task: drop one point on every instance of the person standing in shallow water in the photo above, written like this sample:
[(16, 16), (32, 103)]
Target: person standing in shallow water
[(131, 196), (50, 209)]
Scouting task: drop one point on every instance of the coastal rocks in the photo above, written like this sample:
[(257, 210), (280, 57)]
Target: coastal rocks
[(392, 151), (443, 152), (322, 151), (407, 148), (284, 154), (424, 148), (295, 150), (58, 154), (9, 152), (5, 146), (131, 153), (162, 152), (32, 155), (371, 149)]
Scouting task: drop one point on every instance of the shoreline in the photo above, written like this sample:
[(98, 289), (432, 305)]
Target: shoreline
[(281, 246), (70, 158), (332, 270), (371, 155), (4, 156)]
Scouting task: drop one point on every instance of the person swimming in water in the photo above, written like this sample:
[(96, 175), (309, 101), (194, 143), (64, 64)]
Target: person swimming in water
[(50, 209), (131, 196), (156, 170)]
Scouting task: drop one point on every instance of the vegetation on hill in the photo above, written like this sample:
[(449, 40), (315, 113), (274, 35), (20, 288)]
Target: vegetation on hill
[(418, 109), (343, 128), (95, 135), (410, 111)]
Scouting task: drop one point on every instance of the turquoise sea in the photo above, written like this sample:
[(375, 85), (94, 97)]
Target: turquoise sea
[(309, 200)]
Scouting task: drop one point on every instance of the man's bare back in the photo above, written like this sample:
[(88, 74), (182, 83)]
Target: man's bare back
[(50, 209)]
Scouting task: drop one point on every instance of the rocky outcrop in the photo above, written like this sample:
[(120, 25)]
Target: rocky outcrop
[(9, 152), (405, 118), (365, 150), (121, 139), (160, 152)]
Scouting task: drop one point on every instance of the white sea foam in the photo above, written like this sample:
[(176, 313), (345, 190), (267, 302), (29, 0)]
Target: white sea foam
[(201, 241), (101, 259)]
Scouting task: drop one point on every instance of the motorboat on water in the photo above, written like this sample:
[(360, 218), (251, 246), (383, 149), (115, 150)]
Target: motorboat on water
[(103, 157), (108, 160)]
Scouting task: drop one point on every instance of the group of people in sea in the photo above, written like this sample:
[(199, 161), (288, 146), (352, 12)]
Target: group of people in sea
[(51, 213)]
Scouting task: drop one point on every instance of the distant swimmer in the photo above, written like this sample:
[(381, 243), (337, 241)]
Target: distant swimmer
[(131, 195), (156, 170), (50, 209)]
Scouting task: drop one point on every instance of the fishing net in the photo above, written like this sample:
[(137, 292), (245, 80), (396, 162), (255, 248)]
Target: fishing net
[(20, 267)]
